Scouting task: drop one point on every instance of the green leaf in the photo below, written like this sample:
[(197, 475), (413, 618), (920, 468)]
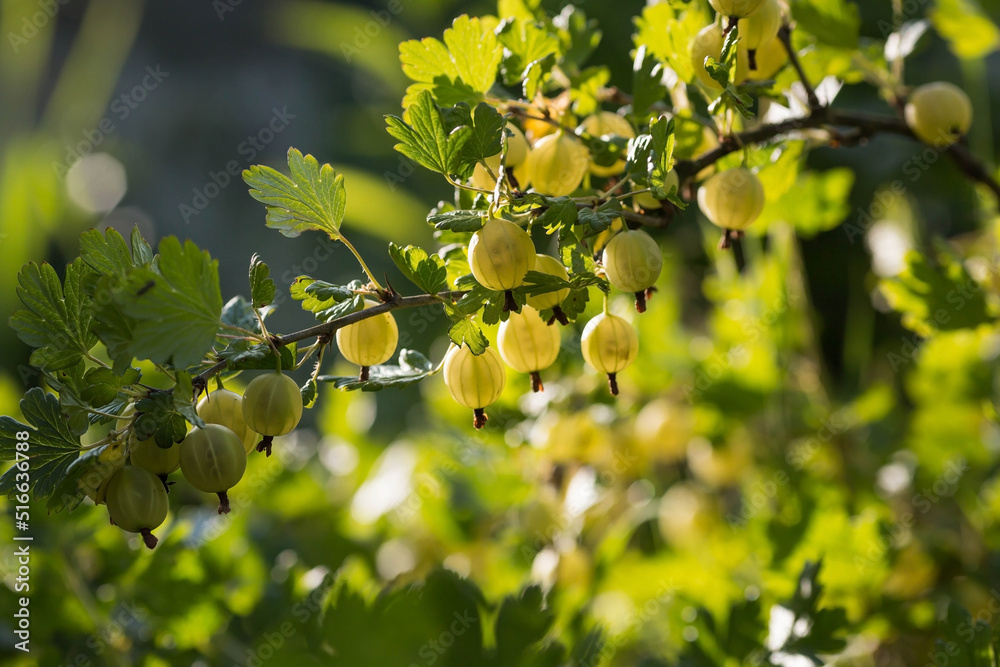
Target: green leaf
[(142, 254), (647, 90), (521, 622), (462, 69), (820, 624), (526, 42), (966, 641), (425, 139), (475, 51), (52, 444), (57, 320), (107, 253), (309, 391), (574, 254), (114, 328), (561, 212), (312, 198), (412, 368), (661, 157), (467, 332), (596, 220), (457, 221), (243, 355), (667, 34), (183, 395), (85, 475), (319, 295), (425, 271), (969, 31), (578, 36), (261, 287), (833, 22), (177, 310), (158, 418), (487, 128), (239, 313), (574, 304), (102, 385), (585, 88), (936, 296)]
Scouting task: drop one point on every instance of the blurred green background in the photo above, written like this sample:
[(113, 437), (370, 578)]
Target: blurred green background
[(753, 369)]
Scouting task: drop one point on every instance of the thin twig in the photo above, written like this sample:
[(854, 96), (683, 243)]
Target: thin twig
[(327, 329), (785, 35)]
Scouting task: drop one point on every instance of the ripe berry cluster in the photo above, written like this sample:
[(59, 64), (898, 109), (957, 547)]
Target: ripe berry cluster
[(212, 458)]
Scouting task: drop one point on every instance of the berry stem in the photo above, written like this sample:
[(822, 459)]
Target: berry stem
[(509, 302), (148, 538), (265, 444), (363, 375), (223, 502), (640, 301), (558, 315), (613, 383), (536, 382), (752, 59), (479, 418)]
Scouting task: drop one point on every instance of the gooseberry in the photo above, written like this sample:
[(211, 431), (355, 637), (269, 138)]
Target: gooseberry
[(633, 261), (475, 381), (735, 8), (732, 199), (213, 460), (557, 164), (553, 267), (137, 502), (609, 345), (528, 345), (758, 28), (500, 253), (939, 113), (370, 342), (272, 406), (226, 408), (708, 42)]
